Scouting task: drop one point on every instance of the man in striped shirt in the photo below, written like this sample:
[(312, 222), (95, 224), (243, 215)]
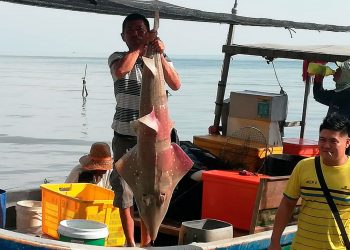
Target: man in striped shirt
[(317, 228), (126, 71)]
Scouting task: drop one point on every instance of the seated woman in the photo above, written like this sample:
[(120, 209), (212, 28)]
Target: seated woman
[(95, 167)]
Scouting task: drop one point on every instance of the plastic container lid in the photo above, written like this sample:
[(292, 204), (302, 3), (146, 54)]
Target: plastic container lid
[(83, 229), (29, 205), (300, 141), (232, 176)]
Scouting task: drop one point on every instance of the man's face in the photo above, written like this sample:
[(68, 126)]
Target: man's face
[(134, 34), (332, 146), (97, 175)]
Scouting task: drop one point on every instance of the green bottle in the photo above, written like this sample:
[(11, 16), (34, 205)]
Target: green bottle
[(319, 69)]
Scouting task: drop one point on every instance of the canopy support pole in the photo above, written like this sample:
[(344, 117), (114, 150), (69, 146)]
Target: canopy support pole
[(222, 83), (306, 96)]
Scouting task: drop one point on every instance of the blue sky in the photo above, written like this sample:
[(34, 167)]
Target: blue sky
[(27, 30)]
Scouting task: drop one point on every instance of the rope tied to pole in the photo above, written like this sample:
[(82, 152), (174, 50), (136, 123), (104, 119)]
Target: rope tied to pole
[(268, 61), (290, 31)]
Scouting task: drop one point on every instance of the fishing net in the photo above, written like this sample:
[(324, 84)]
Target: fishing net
[(246, 148)]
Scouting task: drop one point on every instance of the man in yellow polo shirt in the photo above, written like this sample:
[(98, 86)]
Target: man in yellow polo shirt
[(317, 228)]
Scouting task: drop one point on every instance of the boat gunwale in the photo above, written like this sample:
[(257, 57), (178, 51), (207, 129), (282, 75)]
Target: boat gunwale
[(259, 239)]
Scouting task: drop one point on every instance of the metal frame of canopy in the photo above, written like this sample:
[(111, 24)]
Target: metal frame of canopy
[(328, 53)]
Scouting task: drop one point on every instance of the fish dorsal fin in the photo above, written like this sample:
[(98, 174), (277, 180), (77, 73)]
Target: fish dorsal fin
[(150, 64), (150, 121)]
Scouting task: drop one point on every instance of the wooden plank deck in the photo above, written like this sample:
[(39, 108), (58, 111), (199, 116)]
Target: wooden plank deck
[(168, 227), (172, 228)]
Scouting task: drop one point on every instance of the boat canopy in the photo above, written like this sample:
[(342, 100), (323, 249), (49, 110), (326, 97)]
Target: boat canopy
[(328, 53), (174, 12)]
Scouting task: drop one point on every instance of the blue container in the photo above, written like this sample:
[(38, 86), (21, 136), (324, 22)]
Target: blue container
[(2, 208)]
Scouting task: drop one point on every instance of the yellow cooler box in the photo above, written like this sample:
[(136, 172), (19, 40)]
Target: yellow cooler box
[(80, 201)]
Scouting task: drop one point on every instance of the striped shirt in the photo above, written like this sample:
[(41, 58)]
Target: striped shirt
[(317, 228), (127, 95)]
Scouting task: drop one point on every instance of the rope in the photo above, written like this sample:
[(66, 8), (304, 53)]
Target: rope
[(281, 123), (290, 31), (270, 60)]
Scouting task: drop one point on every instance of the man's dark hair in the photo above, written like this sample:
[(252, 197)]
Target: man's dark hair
[(136, 16), (336, 122)]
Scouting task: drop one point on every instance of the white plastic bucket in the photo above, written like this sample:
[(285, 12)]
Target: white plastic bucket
[(28, 216), (204, 230), (83, 231)]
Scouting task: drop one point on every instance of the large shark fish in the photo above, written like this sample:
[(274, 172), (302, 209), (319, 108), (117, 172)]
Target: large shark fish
[(154, 166)]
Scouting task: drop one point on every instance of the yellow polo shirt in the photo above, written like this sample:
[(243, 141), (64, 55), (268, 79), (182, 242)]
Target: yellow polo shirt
[(317, 228)]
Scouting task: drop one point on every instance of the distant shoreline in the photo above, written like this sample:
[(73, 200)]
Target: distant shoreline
[(174, 57)]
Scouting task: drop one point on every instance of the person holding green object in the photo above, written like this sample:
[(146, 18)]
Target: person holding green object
[(337, 99)]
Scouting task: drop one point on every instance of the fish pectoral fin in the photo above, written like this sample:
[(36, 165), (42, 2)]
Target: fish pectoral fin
[(150, 121), (182, 163), (150, 64)]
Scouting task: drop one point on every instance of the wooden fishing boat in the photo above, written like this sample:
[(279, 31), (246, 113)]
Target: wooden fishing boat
[(268, 190), (10, 239)]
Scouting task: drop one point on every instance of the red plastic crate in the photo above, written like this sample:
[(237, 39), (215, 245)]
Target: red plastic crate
[(298, 146), (229, 197)]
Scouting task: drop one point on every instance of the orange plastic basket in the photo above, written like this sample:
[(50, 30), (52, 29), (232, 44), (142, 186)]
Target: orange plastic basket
[(80, 201)]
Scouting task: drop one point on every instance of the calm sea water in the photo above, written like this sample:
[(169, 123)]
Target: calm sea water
[(46, 126)]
